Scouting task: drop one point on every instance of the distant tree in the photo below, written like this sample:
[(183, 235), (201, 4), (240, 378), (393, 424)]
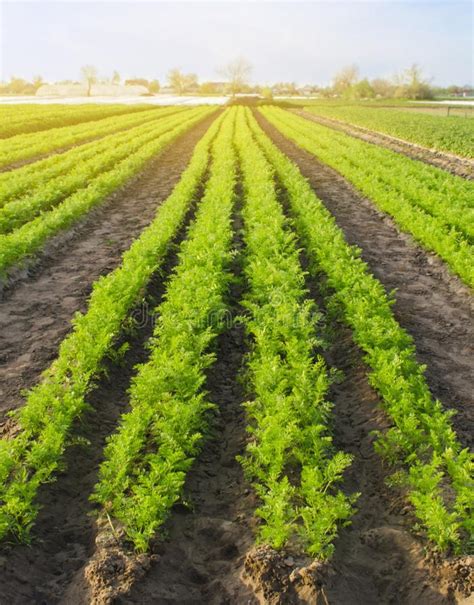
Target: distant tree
[(209, 88), (285, 88), (89, 75), (267, 93), (18, 86), (191, 82), (137, 82), (345, 78), (411, 84), (154, 86), (177, 80), (360, 90), (37, 82), (181, 82), (116, 79), (237, 73), (383, 88)]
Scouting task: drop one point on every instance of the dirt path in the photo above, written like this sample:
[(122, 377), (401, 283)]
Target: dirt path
[(434, 306), (456, 165), (35, 313)]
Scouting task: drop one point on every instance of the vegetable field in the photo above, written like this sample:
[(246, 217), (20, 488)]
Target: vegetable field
[(236, 355)]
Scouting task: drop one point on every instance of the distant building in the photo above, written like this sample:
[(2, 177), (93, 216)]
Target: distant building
[(97, 90)]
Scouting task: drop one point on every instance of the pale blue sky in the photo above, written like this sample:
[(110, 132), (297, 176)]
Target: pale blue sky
[(302, 41)]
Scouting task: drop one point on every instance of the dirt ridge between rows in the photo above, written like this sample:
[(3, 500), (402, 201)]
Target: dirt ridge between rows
[(456, 165), (35, 312), (431, 303)]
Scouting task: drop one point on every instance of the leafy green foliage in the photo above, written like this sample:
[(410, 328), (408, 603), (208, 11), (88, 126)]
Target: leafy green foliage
[(46, 420), (454, 134), (290, 457), (29, 238), (105, 155), (146, 460), (432, 205), (25, 146), (22, 119), (422, 436)]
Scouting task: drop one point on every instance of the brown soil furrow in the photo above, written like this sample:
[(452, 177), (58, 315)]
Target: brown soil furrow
[(65, 532), (36, 312), (201, 559), (378, 559), (456, 165), (431, 304)]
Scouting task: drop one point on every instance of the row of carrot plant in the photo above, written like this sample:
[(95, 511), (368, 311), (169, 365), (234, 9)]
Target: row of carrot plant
[(25, 119), (28, 179), (438, 471), (291, 459), (29, 238), (26, 146), (147, 458), (107, 154), (454, 134), (46, 420), (434, 206)]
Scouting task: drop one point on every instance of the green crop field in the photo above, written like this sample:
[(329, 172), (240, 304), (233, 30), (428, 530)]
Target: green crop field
[(238, 333)]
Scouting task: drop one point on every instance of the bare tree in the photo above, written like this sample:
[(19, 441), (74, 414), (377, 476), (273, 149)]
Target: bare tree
[(411, 84), (345, 78), (237, 73), (181, 82), (89, 75), (116, 77)]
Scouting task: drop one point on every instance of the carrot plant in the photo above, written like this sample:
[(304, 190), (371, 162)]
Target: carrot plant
[(22, 120), (28, 179), (146, 460), (438, 216), (294, 467), (26, 146), (29, 238), (454, 134), (46, 420), (436, 471), (107, 154)]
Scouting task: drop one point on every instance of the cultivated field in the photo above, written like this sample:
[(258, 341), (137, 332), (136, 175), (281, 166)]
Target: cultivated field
[(236, 349)]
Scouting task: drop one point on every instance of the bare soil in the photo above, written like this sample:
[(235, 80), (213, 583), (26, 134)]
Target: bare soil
[(36, 311), (456, 165)]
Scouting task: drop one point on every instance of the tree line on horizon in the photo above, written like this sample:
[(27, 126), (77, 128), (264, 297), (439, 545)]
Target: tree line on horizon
[(346, 84)]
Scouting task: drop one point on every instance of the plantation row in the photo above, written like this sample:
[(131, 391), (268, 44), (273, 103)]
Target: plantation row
[(29, 178), (435, 207), (57, 204), (24, 119), (290, 459), (453, 134), (26, 146)]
